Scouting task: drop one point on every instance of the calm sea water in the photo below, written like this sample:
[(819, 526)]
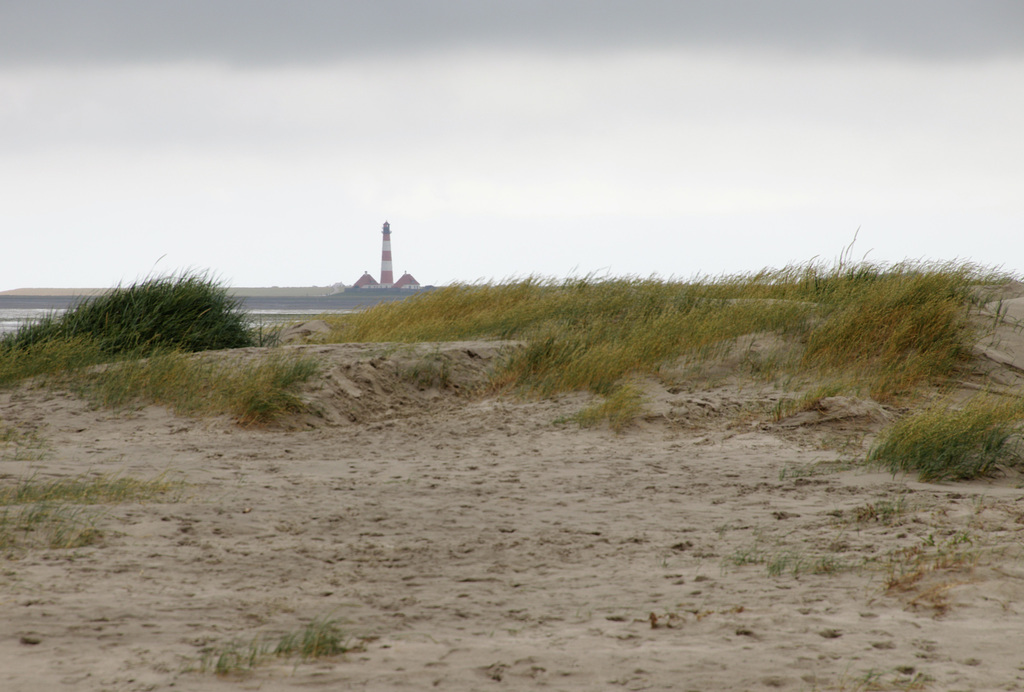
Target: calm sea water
[(16, 311)]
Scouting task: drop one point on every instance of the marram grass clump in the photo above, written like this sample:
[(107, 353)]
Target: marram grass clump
[(942, 443), (886, 330), (255, 392), (188, 312), (137, 345)]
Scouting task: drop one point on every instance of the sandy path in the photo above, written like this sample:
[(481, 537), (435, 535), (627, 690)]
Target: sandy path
[(478, 546)]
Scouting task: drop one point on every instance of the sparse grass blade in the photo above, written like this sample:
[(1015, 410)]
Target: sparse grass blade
[(51, 514), (317, 639), (101, 489), (18, 445)]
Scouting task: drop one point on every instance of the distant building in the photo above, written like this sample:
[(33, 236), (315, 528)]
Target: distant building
[(366, 281), (407, 281)]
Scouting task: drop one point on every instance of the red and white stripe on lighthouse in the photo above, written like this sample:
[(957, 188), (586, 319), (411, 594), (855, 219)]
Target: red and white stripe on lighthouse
[(387, 276)]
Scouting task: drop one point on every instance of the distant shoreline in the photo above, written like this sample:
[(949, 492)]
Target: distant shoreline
[(242, 292), (298, 298)]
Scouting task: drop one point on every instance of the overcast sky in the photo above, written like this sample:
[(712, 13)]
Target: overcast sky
[(268, 141)]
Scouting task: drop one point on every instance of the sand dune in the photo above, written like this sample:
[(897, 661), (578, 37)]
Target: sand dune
[(470, 542)]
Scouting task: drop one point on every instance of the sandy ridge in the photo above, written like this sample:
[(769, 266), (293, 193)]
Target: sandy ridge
[(468, 542)]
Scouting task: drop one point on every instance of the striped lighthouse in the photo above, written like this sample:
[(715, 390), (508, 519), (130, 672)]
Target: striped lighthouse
[(387, 276)]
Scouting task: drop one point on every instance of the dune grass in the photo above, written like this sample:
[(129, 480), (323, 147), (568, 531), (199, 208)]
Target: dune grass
[(321, 637), (942, 443), (619, 409), (187, 312), (884, 329), (19, 445), (58, 356), (318, 639), (101, 489), (141, 337), (46, 525), (52, 514), (255, 392)]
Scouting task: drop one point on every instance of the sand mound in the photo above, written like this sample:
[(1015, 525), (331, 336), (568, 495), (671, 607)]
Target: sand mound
[(363, 383), (474, 542)]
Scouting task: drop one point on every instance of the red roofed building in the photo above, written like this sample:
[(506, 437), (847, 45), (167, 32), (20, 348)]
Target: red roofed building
[(407, 281), (366, 281)]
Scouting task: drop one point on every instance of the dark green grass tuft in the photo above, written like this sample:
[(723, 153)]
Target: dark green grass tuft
[(143, 336), (188, 312)]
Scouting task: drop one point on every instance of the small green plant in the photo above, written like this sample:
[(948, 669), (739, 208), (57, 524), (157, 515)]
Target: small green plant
[(940, 443), (796, 564), (783, 562), (266, 333), (827, 564), (750, 555), (319, 639), (907, 566), (234, 658)]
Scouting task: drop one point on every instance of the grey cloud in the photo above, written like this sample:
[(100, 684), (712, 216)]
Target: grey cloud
[(273, 32)]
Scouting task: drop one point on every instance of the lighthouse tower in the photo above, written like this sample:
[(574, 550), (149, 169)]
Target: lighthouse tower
[(387, 277)]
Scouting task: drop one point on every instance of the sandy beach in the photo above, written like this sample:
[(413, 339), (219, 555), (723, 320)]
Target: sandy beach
[(474, 542)]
